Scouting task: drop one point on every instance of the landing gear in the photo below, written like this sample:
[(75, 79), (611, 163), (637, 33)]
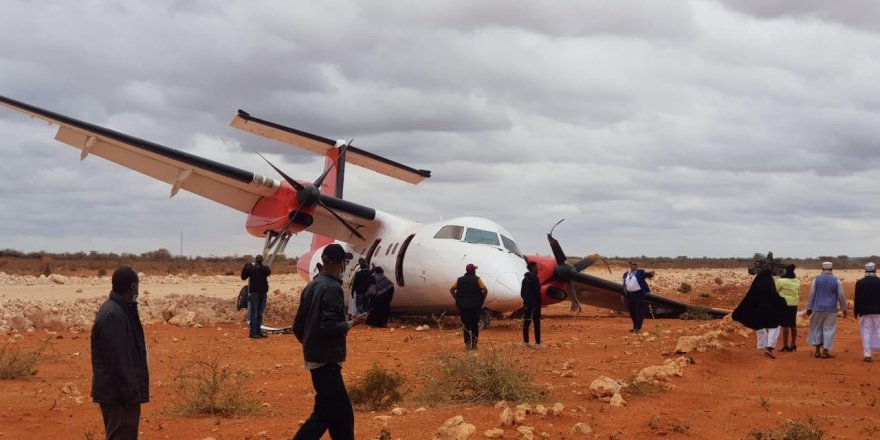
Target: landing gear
[(485, 319), (274, 244)]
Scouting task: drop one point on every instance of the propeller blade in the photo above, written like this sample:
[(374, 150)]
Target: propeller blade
[(557, 249), (342, 220), (575, 302), (589, 261), (296, 185), (320, 179)]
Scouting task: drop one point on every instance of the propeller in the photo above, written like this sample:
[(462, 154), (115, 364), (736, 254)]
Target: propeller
[(308, 194), (565, 272)]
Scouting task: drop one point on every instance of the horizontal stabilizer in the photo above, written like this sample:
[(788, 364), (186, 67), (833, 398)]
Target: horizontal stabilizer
[(320, 145)]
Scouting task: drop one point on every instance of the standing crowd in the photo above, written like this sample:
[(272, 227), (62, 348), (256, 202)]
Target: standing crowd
[(770, 306)]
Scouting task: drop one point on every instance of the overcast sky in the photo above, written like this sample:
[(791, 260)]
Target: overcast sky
[(700, 128)]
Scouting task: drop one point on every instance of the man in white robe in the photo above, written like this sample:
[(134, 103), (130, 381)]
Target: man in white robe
[(867, 310)]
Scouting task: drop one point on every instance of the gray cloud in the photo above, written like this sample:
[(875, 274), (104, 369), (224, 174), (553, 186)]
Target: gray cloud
[(686, 128)]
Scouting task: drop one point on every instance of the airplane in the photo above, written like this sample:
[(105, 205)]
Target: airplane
[(422, 259)]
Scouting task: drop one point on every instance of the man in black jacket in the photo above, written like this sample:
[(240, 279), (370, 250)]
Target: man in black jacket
[(120, 378), (258, 288), (867, 310), (360, 284), (321, 327), (470, 293), (531, 295)]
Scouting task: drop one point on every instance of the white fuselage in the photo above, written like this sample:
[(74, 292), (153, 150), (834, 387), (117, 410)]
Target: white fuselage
[(424, 269)]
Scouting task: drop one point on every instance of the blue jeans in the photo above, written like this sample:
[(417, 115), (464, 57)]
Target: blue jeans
[(256, 306)]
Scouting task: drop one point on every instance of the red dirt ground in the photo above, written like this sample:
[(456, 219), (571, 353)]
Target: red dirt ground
[(726, 393)]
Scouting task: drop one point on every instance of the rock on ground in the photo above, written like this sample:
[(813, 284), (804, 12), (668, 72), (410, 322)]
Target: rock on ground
[(455, 429), (604, 386)]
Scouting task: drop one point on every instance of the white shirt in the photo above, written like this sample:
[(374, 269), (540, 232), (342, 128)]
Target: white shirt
[(632, 284)]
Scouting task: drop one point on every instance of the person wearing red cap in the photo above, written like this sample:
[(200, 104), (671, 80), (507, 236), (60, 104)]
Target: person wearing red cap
[(469, 293)]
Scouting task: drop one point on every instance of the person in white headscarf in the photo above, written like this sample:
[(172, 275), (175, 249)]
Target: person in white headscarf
[(867, 310), (825, 296)]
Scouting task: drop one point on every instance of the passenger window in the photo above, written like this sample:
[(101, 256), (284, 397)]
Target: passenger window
[(450, 231), (394, 248)]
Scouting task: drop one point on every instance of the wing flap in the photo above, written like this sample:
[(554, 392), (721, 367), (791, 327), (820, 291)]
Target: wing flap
[(221, 189)]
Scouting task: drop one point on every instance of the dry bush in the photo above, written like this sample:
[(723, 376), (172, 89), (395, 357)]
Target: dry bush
[(15, 364), (205, 387), (696, 313), (684, 288), (378, 389), (790, 430), (479, 377), (636, 388)]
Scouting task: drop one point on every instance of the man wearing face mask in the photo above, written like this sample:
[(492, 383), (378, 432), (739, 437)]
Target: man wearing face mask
[(258, 288), (120, 378), (321, 327)]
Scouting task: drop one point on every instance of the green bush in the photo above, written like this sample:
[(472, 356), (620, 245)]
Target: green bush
[(378, 389), (486, 376)]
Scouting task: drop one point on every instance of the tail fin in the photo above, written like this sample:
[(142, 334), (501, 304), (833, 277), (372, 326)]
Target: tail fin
[(332, 186)]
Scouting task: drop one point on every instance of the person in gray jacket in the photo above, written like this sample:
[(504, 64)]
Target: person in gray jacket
[(120, 377), (826, 295), (321, 327)]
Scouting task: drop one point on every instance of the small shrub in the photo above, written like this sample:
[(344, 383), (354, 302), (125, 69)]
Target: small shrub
[(705, 295), (718, 281), (635, 388), (790, 430), (764, 402), (385, 434), (696, 313), (102, 272), (680, 428), (229, 273), (378, 389), (15, 364), (46, 270), (684, 288), (204, 387), (486, 376)]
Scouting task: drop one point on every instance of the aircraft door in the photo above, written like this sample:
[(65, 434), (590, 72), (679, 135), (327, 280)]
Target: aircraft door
[(398, 268)]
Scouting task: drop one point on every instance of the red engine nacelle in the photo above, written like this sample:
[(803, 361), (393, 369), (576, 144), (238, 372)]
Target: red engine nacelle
[(551, 292), (272, 213)]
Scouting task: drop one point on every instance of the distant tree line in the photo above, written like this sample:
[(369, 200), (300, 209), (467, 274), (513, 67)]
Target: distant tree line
[(160, 254)]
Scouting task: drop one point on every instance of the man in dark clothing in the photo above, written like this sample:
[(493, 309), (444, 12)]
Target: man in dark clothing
[(470, 293), (531, 296), (258, 287), (867, 310), (360, 284), (321, 327), (635, 287), (120, 377), (380, 303)]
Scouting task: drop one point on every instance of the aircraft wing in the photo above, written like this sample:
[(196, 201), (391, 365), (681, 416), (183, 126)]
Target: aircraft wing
[(599, 292), (230, 186)]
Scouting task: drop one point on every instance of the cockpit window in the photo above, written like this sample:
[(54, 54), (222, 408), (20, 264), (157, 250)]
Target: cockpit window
[(480, 236), (450, 231), (510, 245)]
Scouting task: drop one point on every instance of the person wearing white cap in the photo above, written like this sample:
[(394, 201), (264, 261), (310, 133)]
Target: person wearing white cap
[(867, 310), (825, 296)]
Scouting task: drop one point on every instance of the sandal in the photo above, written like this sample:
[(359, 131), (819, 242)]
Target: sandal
[(817, 355), (793, 348), (867, 358), (785, 349), (826, 355), (769, 353)]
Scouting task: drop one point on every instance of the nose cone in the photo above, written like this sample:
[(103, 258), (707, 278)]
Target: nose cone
[(504, 294)]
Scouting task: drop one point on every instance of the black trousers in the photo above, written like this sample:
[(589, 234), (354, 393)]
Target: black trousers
[(470, 320), (332, 410), (121, 422), (635, 301), (532, 314)]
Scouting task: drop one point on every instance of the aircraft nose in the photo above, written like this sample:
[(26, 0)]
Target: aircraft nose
[(506, 288)]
